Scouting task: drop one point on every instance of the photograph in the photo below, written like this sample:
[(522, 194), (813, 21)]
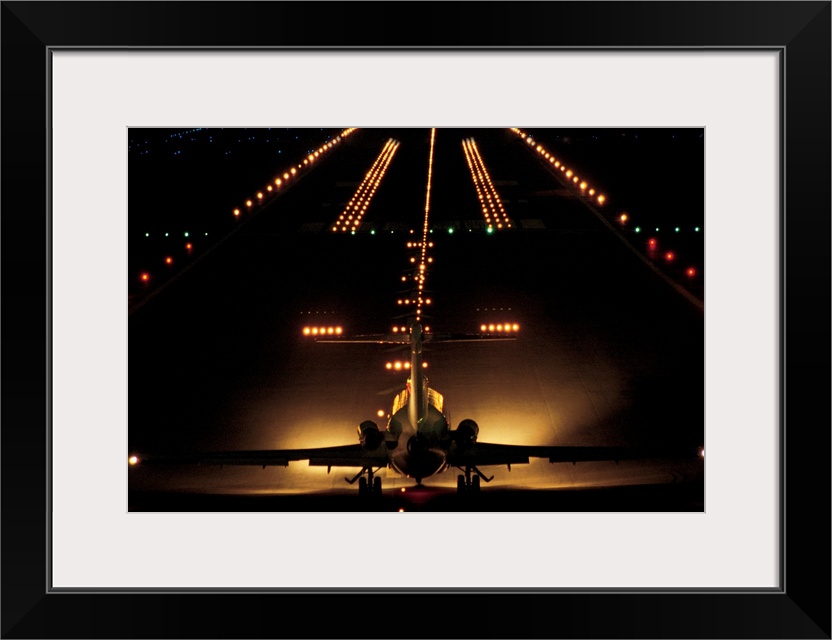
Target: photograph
[(417, 319), (372, 310)]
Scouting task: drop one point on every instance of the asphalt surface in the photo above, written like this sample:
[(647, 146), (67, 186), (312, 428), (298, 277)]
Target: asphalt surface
[(608, 352)]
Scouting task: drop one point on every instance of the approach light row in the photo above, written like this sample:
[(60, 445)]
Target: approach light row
[(403, 329), (507, 327), (281, 180), (323, 331), (350, 217), (585, 189), (490, 201), (425, 228), (398, 365)]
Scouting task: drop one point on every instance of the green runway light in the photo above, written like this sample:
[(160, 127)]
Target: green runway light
[(677, 229), (490, 230), (147, 235), (638, 229), (186, 234), (450, 229), (696, 229), (657, 228), (372, 232), (167, 234), (352, 233)]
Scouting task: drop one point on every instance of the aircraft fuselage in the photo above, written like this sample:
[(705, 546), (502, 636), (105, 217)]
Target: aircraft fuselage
[(417, 421)]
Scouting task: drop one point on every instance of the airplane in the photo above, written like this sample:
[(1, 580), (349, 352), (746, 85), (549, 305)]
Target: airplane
[(417, 440)]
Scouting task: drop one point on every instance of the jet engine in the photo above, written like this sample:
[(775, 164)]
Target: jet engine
[(369, 435), (467, 432)]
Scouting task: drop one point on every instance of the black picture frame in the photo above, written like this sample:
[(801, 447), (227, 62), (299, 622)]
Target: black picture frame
[(799, 31)]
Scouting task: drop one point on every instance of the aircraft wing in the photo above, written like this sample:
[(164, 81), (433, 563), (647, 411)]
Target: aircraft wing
[(484, 453), (351, 455)]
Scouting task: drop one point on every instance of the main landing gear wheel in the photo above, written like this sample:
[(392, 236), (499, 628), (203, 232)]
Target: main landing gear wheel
[(470, 481), (369, 484), (472, 486)]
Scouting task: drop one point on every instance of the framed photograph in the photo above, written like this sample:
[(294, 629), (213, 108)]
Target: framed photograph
[(726, 105)]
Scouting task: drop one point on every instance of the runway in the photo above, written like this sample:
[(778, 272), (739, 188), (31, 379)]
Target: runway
[(606, 352)]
